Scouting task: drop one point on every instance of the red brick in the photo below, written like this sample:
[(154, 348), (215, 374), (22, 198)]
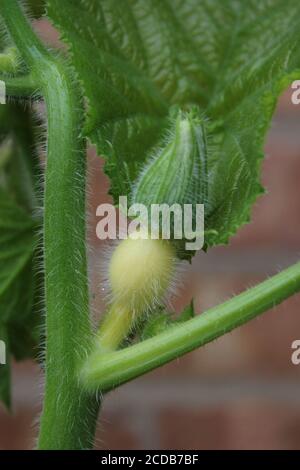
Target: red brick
[(114, 433), (16, 430), (244, 425), (260, 348), (285, 108)]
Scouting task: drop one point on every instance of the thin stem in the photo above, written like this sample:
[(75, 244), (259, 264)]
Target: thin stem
[(69, 412), (107, 371), (28, 44), (9, 60), (20, 86)]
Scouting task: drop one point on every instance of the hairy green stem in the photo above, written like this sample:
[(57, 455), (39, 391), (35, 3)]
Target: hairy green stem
[(21, 86), (9, 60), (69, 412), (107, 371)]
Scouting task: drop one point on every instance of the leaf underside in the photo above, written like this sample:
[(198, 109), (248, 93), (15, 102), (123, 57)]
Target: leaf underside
[(19, 280), (136, 58)]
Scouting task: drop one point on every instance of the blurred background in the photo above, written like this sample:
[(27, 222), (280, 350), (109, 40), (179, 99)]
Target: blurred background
[(239, 392)]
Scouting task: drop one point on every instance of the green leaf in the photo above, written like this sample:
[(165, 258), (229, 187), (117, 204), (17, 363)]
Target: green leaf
[(36, 7), (18, 316), (137, 58), (160, 321), (4, 368), (17, 245), (20, 276), (187, 313), (156, 323), (19, 164)]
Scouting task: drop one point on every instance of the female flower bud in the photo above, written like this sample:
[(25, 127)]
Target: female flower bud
[(140, 273), (177, 173)]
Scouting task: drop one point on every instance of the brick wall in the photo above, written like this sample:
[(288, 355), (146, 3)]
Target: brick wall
[(238, 392)]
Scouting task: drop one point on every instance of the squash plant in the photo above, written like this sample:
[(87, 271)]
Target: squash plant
[(130, 68)]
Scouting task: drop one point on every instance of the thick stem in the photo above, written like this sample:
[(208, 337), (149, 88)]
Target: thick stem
[(69, 412), (107, 371)]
